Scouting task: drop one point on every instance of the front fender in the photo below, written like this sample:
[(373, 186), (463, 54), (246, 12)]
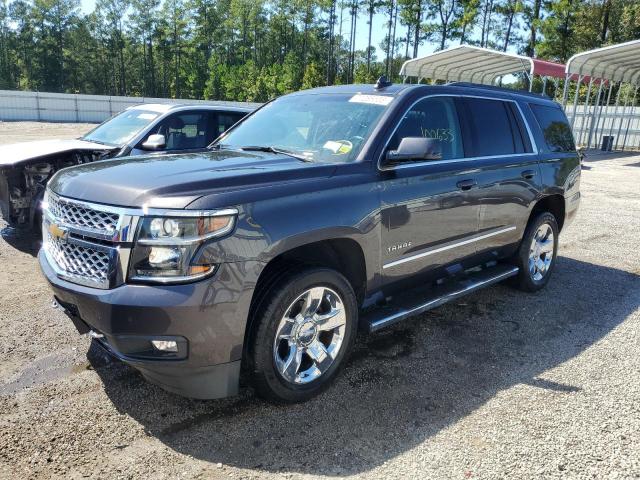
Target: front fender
[(269, 228)]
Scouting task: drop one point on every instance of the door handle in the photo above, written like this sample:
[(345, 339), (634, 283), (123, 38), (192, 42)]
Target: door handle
[(466, 184), (528, 174)]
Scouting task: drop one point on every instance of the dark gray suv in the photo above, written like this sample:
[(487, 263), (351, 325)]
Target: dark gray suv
[(324, 211)]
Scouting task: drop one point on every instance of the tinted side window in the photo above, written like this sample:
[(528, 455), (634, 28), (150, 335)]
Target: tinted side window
[(185, 130), (432, 118), (492, 127), (555, 128), (226, 120)]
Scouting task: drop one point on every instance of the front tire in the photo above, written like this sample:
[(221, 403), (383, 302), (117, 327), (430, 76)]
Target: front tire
[(536, 255), (303, 335)]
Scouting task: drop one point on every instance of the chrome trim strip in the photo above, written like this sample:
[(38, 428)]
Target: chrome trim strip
[(170, 280), (447, 247), (436, 302), (144, 211), (452, 160), (534, 146), (161, 212)]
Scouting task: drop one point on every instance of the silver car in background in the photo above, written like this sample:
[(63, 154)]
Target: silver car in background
[(143, 129)]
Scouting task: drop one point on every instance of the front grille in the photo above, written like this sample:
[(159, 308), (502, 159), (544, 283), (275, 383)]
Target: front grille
[(79, 262), (81, 241), (79, 216)]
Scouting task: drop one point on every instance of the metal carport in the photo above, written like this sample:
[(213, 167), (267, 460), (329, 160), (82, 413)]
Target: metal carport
[(466, 63), (620, 65)]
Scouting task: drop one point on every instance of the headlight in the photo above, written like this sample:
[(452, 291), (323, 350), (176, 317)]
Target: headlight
[(166, 248)]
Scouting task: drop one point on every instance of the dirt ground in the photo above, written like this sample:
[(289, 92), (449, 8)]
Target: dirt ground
[(501, 384)]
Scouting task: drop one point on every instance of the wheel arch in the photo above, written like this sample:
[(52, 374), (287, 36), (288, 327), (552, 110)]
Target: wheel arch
[(554, 204), (343, 254)]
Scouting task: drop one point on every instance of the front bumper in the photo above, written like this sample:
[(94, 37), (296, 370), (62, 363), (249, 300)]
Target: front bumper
[(208, 317)]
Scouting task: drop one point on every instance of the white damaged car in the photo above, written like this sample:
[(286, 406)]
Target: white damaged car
[(143, 129)]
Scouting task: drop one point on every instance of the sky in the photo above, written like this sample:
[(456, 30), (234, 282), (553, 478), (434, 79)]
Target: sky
[(362, 30)]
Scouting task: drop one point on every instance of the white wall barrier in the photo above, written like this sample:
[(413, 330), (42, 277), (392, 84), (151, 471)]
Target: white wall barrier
[(65, 107), (622, 123)]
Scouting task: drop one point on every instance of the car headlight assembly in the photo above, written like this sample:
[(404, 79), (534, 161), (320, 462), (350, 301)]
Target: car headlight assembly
[(166, 247)]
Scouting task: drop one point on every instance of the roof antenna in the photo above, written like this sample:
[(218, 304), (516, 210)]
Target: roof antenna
[(382, 83)]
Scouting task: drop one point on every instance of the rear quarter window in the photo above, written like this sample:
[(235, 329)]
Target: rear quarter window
[(555, 128)]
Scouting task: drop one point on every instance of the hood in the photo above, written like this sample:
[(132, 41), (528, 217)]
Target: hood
[(20, 152), (174, 181)]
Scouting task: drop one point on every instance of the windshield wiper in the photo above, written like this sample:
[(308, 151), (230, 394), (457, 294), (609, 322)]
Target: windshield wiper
[(272, 149)]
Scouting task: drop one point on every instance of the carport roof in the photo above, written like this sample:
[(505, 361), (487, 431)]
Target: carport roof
[(619, 63), (466, 63)]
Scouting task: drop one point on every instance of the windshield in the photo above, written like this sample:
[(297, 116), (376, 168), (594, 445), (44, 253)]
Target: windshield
[(319, 127), (123, 127)]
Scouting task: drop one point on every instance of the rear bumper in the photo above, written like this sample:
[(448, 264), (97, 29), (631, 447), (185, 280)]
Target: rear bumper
[(207, 319)]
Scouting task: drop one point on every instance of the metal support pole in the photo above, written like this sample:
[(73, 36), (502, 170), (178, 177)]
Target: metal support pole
[(565, 91), (633, 106), (593, 114), (575, 103), (530, 82), (624, 111), (615, 109), (604, 120), (38, 106), (556, 82), (544, 85), (586, 109)]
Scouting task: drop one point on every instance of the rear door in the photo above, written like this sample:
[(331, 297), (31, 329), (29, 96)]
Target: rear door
[(507, 169), (427, 206)]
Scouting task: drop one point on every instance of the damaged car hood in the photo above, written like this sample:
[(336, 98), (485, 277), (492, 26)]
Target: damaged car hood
[(17, 153)]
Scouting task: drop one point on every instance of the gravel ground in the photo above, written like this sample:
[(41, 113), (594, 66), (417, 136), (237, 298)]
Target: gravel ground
[(13, 132), (499, 385)]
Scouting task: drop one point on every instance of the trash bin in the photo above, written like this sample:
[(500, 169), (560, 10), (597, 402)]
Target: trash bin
[(607, 143)]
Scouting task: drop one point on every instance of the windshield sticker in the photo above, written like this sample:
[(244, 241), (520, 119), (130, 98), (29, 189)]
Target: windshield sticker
[(371, 99), (338, 147), (147, 116)]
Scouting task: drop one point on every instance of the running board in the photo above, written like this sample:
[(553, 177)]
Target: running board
[(416, 302)]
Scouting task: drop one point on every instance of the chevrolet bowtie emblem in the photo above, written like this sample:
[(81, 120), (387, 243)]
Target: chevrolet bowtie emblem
[(58, 232)]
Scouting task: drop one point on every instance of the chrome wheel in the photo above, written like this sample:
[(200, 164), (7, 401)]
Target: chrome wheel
[(309, 335), (541, 252)]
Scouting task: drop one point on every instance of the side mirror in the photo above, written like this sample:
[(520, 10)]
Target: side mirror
[(155, 142), (416, 148)]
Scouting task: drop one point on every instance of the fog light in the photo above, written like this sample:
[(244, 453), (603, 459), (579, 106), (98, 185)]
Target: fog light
[(165, 345)]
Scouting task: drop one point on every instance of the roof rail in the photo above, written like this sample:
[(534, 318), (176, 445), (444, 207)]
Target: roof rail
[(495, 88)]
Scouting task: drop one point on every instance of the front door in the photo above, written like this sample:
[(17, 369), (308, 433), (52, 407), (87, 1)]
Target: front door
[(184, 131), (429, 208)]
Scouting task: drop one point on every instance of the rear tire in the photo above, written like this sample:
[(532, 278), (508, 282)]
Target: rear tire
[(536, 256), (303, 336)]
